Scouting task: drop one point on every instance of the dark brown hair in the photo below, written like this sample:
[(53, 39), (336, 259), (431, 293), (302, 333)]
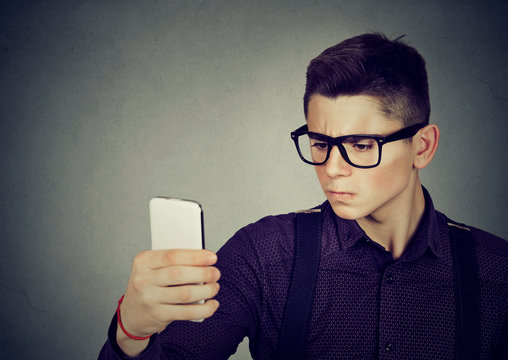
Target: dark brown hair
[(371, 64)]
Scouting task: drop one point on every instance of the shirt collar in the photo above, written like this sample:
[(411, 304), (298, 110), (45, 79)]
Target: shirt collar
[(427, 235)]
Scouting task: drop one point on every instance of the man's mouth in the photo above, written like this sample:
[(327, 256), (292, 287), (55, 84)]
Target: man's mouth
[(340, 195)]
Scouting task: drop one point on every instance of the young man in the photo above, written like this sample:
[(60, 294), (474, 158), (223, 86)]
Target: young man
[(385, 286)]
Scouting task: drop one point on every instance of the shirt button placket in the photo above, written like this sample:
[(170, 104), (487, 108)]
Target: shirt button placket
[(388, 347)]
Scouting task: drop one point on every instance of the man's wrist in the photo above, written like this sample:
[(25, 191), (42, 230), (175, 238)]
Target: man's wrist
[(123, 348), (130, 347)]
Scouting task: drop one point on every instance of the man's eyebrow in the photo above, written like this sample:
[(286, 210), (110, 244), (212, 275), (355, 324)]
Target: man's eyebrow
[(314, 135), (317, 135), (363, 135), (367, 135)]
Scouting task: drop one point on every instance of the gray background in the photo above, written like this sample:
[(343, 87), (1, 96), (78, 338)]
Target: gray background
[(105, 104)]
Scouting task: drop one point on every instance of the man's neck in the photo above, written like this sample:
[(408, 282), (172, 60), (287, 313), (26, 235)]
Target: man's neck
[(394, 226)]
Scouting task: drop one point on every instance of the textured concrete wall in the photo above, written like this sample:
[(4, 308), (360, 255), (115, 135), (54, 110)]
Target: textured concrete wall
[(105, 104)]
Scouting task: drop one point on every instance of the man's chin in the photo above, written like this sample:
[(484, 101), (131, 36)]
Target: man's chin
[(346, 212)]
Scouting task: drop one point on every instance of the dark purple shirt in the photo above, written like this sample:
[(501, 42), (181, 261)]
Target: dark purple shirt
[(367, 306)]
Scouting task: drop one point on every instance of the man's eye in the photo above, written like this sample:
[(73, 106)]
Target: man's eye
[(362, 146), (320, 146)]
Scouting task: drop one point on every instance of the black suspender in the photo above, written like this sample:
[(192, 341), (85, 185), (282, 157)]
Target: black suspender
[(467, 293), (296, 317)]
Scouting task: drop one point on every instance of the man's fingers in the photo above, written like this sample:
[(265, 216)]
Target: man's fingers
[(157, 259), (188, 294), (191, 312), (183, 275)]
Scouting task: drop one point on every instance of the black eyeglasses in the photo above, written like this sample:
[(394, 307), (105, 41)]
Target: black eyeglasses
[(361, 151)]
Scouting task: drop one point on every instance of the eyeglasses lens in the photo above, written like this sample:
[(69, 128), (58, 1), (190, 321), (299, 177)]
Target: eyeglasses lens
[(361, 151)]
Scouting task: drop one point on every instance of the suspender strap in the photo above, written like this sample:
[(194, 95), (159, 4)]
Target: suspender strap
[(296, 318), (467, 293)]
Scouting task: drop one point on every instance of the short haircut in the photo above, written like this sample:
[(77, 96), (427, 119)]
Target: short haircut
[(371, 64)]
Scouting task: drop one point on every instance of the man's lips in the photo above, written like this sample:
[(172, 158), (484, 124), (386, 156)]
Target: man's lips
[(340, 195)]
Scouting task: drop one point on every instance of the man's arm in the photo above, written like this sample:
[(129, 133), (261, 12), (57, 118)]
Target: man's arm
[(111, 350), (500, 351), (218, 336), (238, 315), (162, 289)]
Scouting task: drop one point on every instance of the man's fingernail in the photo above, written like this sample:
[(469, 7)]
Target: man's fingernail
[(211, 258)]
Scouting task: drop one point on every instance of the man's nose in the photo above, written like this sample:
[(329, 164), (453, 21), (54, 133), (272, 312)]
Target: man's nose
[(336, 165)]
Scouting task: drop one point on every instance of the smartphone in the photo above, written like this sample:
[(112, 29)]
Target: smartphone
[(176, 224)]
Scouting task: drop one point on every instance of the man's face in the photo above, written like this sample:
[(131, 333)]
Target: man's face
[(358, 193)]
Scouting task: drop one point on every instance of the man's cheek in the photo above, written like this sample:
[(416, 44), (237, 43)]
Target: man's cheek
[(386, 181), (381, 180)]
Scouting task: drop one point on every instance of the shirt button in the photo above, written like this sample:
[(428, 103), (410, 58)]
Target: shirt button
[(388, 347), (389, 279)]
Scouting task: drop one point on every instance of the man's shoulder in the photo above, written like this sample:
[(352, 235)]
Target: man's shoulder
[(272, 235), (492, 256), (489, 243), (274, 225), (485, 241), (282, 224), (268, 240), (491, 250), (269, 237)]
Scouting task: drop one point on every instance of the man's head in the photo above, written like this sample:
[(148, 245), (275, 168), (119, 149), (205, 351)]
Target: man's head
[(370, 64), (364, 88)]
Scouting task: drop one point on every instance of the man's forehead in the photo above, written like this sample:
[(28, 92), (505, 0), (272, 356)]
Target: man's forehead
[(343, 115)]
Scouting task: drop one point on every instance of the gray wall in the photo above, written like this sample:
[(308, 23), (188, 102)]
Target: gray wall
[(105, 104)]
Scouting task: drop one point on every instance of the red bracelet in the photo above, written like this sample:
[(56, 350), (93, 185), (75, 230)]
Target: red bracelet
[(121, 325)]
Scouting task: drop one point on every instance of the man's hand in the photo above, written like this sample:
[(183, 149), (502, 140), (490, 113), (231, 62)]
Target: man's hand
[(163, 287)]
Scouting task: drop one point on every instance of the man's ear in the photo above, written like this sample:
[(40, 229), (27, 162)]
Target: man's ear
[(426, 142)]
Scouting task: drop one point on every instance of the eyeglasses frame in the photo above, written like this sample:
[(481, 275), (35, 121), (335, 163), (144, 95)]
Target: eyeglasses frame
[(401, 134)]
